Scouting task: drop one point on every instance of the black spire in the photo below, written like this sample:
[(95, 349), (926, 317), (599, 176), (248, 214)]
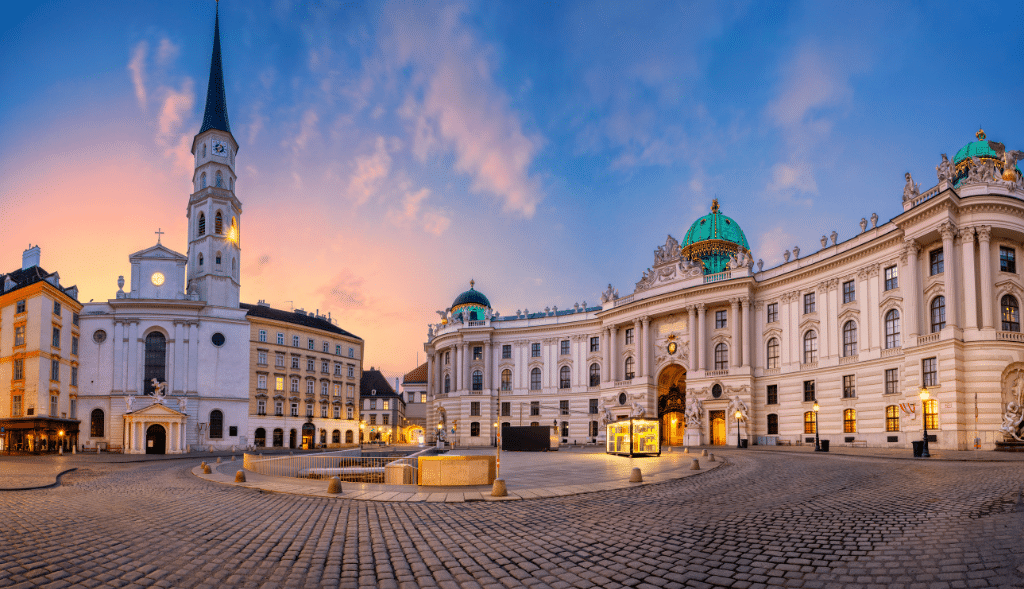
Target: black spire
[(216, 115)]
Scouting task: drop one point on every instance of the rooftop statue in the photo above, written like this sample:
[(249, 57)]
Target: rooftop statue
[(911, 190), (944, 170), (1010, 159)]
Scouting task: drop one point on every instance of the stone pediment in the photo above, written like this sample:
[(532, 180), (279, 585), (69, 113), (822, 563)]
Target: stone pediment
[(157, 252), (157, 410)]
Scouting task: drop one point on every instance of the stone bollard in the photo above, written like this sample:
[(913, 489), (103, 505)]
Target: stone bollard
[(97, 449), (203, 464), (636, 476), (669, 449), (206, 469), (211, 448), (232, 458), (60, 450), (240, 476), (703, 452), (334, 486), (498, 489), (218, 460), (686, 450), (695, 465), (74, 449), (711, 457)]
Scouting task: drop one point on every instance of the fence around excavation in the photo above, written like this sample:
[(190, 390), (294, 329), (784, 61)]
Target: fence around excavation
[(348, 468)]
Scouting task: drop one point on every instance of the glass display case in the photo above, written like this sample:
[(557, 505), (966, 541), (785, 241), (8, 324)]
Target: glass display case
[(634, 437)]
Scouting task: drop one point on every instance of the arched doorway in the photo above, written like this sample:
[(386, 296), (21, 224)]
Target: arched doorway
[(291, 438), (672, 404), (308, 436), (156, 439)]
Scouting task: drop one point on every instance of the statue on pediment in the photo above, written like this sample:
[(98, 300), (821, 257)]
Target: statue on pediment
[(609, 295), (944, 170), (911, 190)]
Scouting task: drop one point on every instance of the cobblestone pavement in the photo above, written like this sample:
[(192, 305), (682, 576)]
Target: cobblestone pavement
[(765, 519)]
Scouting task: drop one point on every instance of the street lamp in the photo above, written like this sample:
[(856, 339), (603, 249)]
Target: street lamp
[(362, 431), (924, 421), (738, 416), (817, 438)]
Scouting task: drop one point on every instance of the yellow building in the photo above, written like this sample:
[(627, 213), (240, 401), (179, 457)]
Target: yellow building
[(304, 373), (38, 359)]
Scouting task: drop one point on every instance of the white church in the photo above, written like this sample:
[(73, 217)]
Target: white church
[(166, 362)]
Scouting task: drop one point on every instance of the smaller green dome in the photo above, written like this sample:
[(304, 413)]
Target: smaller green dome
[(713, 240), (977, 148), (470, 297)]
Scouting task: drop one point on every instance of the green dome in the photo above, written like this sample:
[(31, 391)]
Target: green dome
[(471, 297), (713, 239), (977, 148)]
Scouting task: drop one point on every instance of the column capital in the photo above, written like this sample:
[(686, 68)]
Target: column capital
[(700, 307), (646, 320), (734, 301), (966, 235), (947, 230), (984, 233), (746, 301)]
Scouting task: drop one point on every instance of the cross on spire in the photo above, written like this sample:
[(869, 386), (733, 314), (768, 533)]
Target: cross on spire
[(158, 234)]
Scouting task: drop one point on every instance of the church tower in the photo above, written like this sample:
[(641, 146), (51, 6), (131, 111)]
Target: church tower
[(214, 212)]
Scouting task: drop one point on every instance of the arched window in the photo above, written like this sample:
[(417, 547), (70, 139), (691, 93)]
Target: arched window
[(218, 223), (809, 422), (202, 223), (563, 377), (478, 380), (220, 180), (348, 436), (535, 379), (630, 368), (810, 347), (773, 424), (938, 313), (1011, 313), (96, 424), (595, 375), (216, 424), (200, 259), (260, 436), (773, 353), (202, 180), (217, 259), (850, 421), (892, 329), (336, 437), (721, 356), (278, 438), (156, 359), (506, 380), (447, 384), (849, 339), (892, 418)]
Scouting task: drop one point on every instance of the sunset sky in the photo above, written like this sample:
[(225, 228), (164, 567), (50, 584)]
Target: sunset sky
[(390, 152)]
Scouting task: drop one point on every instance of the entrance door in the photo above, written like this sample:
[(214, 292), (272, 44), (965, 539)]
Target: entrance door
[(673, 426), (156, 440), (291, 438), (308, 435), (717, 419)]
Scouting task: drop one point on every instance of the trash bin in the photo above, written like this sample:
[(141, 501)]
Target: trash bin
[(918, 448), (824, 445), (743, 443)]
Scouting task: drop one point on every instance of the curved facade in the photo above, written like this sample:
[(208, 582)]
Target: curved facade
[(928, 299)]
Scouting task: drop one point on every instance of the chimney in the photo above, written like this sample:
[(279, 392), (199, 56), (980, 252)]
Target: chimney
[(30, 257)]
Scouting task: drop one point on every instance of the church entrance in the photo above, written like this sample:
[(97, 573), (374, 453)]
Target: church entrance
[(308, 436), (672, 404), (717, 419), (156, 440)]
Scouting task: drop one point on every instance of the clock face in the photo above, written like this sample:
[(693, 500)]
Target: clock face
[(672, 348), (157, 278), (220, 148)]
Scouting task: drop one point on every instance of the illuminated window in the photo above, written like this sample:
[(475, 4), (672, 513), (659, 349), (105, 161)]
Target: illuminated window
[(810, 347), (535, 379), (773, 353), (938, 313), (595, 375), (892, 418), (809, 422), (892, 329), (1011, 313), (721, 357), (936, 262), (563, 377), (849, 339), (931, 414), (850, 421), (506, 380), (630, 368), (773, 424), (279, 383)]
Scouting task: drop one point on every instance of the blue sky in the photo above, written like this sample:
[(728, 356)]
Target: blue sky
[(392, 151)]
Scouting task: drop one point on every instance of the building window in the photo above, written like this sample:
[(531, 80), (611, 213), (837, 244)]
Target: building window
[(808, 303), (506, 380), (534, 408), (892, 381), (373, 419), (447, 384), (310, 343), (279, 408), (595, 375), (474, 429), (218, 223), (56, 308), (261, 357), (721, 356), (351, 371), (474, 408), (931, 414), (216, 424), (809, 422), (563, 377), (295, 384), (630, 368), (506, 409), (53, 405), (55, 370), (564, 347), (1007, 259), (773, 353), (324, 388), (720, 320), (261, 407), (279, 360), (310, 386), (892, 418), (506, 352), (295, 362), (535, 379), (279, 384), (309, 410), (938, 313), (324, 366), (74, 318), (593, 406), (930, 372), (19, 307), (849, 339), (849, 292), (280, 339), (850, 421), (808, 391), (629, 336), (337, 349), (261, 381), (478, 380), (56, 338), (19, 335), (891, 278), (936, 262), (18, 372), (373, 404), (849, 388), (810, 347), (773, 312), (773, 424), (350, 413), (295, 341), (263, 335), (595, 344), (593, 429), (535, 350), (337, 369), (351, 352), (310, 365), (74, 376), (772, 398), (16, 406), (96, 423), (1011, 313), (892, 329), (478, 352), (565, 429)]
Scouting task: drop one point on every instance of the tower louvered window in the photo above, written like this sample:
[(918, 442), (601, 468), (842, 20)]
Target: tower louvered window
[(218, 224), (202, 224)]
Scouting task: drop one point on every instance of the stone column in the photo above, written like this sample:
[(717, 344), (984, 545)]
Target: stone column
[(746, 329), (757, 355), (970, 284), (132, 345), (871, 308), (638, 345), (785, 346), (985, 244), (193, 362), (948, 232), (648, 347), (694, 357), (606, 374), (488, 384), (831, 319), (140, 359), (734, 320), (796, 310), (613, 333), (702, 331), (119, 362), (910, 293)]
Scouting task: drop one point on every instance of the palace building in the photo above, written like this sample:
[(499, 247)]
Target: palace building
[(839, 341)]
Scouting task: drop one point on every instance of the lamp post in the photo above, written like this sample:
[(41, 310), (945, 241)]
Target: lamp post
[(817, 438), (362, 431), (924, 421), (738, 416)]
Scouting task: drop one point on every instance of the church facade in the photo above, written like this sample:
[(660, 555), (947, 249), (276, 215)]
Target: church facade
[(911, 323)]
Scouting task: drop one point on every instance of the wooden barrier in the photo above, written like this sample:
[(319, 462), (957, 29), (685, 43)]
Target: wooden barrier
[(456, 471)]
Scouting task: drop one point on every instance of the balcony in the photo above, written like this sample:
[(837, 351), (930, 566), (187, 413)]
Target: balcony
[(843, 360), (1010, 336), (715, 373), (890, 352), (710, 278), (931, 338), (772, 371)]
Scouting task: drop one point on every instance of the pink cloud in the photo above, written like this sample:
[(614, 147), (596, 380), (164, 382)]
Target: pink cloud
[(137, 67)]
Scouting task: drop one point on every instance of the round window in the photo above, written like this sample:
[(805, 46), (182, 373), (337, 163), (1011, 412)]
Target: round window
[(218, 339), (622, 398), (99, 336), (716, 391)]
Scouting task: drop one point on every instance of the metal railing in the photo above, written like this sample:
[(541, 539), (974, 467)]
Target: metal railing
[(710, 278), (360, 469)]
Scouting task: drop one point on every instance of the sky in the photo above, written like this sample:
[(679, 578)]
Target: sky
[(390, 152)]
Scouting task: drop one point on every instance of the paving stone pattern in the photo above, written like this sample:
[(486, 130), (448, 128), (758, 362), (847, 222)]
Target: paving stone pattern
[(763, 520)]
